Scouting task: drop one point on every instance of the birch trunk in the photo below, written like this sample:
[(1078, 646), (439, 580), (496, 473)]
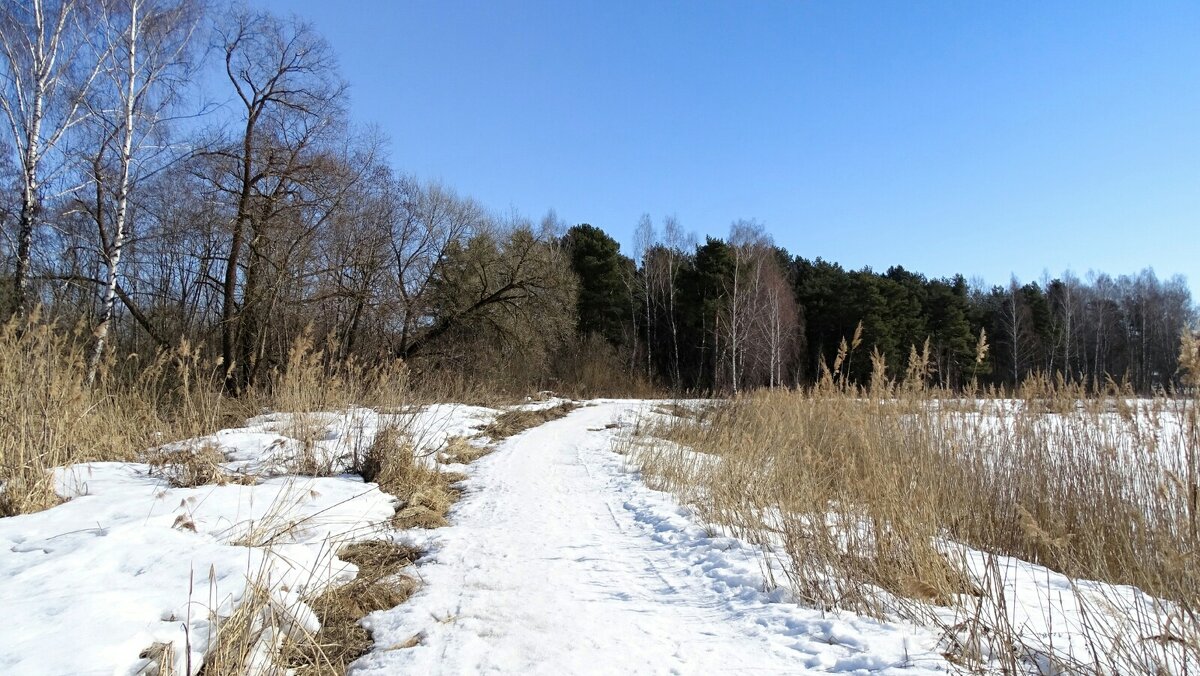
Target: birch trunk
[(113, 250)]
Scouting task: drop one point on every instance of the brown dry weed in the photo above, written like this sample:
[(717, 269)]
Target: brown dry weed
[(511, 423)]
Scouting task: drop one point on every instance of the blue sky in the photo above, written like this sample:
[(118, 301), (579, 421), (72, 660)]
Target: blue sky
[(972, 137)]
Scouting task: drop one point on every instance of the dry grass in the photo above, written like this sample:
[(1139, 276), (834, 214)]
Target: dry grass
[(162, 660), (380, 585), (51, 417), (310, 382), (860, 491), (308, 387), (514, 422), (308, 459), (832, 484), (260, 626), (190, 467), (265, 634), (460, 451), (248, 636), (277, 524), (426, 493)]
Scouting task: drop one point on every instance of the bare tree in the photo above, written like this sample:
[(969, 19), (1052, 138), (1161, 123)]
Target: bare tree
[(430, 219), (780, 325), (750, 246), (675, 241), (353, 263), (1015, 320), (146, 45), (643, 241), (174, 271), (48, 67), (1064, 296), (284, 76)]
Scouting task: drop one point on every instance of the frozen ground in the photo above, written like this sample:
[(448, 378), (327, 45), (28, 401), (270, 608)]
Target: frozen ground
[(129, 561), (558, 560)]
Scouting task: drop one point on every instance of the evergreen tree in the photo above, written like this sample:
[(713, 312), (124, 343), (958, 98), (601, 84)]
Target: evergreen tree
[(823, 290), (950, 331), (702, 304), (604, 303)]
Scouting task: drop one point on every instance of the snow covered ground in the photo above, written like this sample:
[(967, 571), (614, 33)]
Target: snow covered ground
[(129, 561), (558, 559), (88, 585), (561, 561)]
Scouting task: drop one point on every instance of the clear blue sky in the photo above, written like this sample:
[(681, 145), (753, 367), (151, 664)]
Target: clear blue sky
[(986, 138)]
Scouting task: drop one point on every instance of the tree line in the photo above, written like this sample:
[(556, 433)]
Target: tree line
[(134, 210), (742, 312)]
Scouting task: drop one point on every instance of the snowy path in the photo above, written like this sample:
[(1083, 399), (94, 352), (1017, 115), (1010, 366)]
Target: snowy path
[(560, 561)]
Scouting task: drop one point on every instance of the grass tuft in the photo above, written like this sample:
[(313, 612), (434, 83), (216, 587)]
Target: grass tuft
[(191, 467), (162, 660), (461, 452), (511, 423), (379, 585), (426, 493)]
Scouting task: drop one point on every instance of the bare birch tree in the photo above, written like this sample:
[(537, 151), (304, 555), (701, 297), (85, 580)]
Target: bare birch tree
[(145, 43), (675, 242), (643, 241), (1014, 319), (750, 245), (48, 67), (780, 325)]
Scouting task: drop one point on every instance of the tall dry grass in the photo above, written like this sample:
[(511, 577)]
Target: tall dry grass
[(861, 494), (309, 382), (51, 417)]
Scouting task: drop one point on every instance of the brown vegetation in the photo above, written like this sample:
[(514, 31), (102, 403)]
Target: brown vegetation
[(514, 422), (190, 467), (262, 627), (460, 451), (426, 493), (865, 490), (380, 585), (52, 417)]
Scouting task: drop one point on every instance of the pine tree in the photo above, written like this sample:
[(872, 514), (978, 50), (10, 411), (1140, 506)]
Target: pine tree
[(603, 305)]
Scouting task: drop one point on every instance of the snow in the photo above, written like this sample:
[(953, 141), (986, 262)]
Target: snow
[(115, 569), (559, 560), (1067, 625), (1049, 622), (129, 561)]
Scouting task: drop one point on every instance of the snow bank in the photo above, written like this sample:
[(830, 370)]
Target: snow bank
[(129, 561), (559, 559)]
